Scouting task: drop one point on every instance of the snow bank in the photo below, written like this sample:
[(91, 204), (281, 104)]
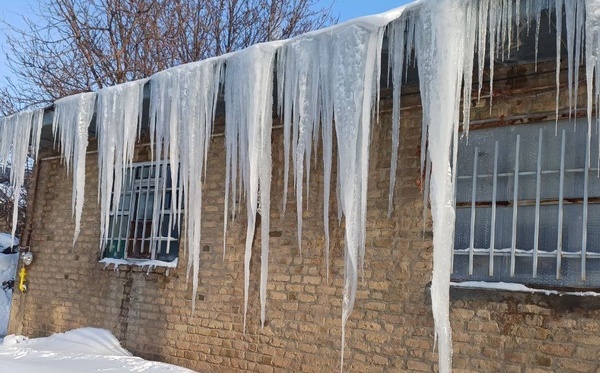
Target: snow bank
[(79, 350)]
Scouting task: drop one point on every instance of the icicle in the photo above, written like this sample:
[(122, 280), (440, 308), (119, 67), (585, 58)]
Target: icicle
[(6, 137), (72, 117), (36, 128), (301, 97), (21, 123), (249, 101), (441, 66), (358, 49), (558, 11), (182, 110), (592, 60), (326, 103), (397, 45), (333, 74), (574, 25), (469, 41), (118, 118)]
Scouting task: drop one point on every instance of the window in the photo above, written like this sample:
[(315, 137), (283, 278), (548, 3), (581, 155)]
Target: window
[(527, 207), (132, 234)]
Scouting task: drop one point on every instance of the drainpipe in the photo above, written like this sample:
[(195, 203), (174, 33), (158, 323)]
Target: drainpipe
[(31, 199)]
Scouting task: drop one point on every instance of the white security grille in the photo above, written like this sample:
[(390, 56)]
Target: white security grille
[(528, 205), (132, 234)]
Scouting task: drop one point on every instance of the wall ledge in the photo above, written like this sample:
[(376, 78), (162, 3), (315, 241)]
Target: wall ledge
[(557, 299)]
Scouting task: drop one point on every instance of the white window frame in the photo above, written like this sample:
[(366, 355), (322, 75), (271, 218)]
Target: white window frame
[(135, 238)]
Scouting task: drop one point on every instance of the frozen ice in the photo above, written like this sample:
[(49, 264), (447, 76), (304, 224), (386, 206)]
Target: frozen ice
[(249, 106), (118, 117), (72, 117), (327, 87)]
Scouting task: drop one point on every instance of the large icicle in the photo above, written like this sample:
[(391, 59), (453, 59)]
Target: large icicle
[(299, 97), (358, 49), (397, 52), (441, 61), (182, 111), (311, 89), (322, 76), (326, 67), (249, 103), (117, 125), (20, 140), (22, 123), (36, 132), (592, 63), (72, 117)]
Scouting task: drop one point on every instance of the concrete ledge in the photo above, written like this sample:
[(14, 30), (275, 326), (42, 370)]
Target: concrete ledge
[(558, 300)]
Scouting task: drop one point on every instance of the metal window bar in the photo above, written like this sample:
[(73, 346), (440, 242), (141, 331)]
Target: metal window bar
[(111, 229), (157, 207), (136, 194), (473, 208), (493, 222), (538, 190), (130, 174), (515, 208), (169, 227), (146, 186), (166, 171), (129, 226), (561, 188), (157, 202), (584, 218), (529, 173), (455, 199), (123, 223)]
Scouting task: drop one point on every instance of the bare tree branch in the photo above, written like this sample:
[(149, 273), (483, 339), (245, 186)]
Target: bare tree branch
[(74, 46)]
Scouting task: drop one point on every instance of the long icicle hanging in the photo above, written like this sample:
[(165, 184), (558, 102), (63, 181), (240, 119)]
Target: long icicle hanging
[(447, 35), (249, 102), (311, 89), (22, 123), (185, 115), (118, 120), (72, 117)]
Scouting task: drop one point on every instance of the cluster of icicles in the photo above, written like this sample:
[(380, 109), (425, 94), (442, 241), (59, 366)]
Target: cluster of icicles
[(323, 79)]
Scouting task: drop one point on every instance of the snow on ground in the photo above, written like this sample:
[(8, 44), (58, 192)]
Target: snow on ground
[(79, 350)]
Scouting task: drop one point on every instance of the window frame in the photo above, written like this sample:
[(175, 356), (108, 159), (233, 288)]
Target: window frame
[(588, 200), (135, 239)]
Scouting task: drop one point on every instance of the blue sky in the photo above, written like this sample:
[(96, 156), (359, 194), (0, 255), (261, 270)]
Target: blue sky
[(348, 9)]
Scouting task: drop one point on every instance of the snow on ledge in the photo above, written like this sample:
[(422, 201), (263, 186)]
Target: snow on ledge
[(140, 263), (508, 286)]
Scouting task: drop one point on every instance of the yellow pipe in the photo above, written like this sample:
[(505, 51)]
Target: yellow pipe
[(23, 279)]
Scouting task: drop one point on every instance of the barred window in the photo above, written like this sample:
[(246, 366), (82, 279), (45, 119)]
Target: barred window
[(132, 234), (528, 206)]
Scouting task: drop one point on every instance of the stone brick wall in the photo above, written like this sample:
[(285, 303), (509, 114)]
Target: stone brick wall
[(391, 328)]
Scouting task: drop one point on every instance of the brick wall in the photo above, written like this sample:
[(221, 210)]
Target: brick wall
[(391, 328)]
